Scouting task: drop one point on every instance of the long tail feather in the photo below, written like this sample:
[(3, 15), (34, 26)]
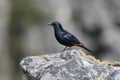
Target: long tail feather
[(87, 49), (81, 45)]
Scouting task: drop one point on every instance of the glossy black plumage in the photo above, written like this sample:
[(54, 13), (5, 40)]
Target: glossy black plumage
[(65, 38)]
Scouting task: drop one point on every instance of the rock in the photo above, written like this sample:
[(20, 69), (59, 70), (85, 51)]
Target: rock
[(67, 65)]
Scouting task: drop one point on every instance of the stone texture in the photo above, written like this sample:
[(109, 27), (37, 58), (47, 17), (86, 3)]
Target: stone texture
[(67, 65)]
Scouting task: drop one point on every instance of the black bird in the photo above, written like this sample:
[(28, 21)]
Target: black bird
[(65, 38)]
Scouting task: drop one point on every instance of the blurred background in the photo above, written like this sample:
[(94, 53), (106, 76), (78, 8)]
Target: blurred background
[(24, 30)]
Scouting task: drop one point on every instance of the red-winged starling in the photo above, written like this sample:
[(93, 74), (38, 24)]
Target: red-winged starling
[(66, 38)]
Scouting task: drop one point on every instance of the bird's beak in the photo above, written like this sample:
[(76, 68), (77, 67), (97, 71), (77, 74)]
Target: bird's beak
[(49, 24)]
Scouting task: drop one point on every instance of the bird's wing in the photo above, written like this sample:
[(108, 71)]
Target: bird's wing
[(70, 38)]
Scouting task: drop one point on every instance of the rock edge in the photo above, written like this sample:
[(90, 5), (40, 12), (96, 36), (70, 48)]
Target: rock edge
[(67, 65)]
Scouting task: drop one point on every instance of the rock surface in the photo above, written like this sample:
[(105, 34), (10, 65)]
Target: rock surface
[(67, 65)]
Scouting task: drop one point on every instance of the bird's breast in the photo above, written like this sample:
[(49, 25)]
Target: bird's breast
[(59, 35)]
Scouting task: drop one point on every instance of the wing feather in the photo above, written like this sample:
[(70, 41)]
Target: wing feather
[(70, 38)]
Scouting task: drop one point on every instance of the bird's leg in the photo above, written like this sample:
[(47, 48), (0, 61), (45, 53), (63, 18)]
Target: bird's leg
[(65, 48), (68, 48)]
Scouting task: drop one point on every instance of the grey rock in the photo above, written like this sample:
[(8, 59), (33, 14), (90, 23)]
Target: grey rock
[(67, 65)]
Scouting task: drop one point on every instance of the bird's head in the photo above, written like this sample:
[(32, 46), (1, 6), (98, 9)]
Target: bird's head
[(57, 26), (54, 24)]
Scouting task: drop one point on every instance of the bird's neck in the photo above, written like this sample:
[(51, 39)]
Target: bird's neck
[(58, 28)]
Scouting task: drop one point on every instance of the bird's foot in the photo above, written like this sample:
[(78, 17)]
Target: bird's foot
[(67, 48)]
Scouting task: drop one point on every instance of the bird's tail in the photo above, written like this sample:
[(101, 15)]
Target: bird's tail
[(81, 45), (86, 49)]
